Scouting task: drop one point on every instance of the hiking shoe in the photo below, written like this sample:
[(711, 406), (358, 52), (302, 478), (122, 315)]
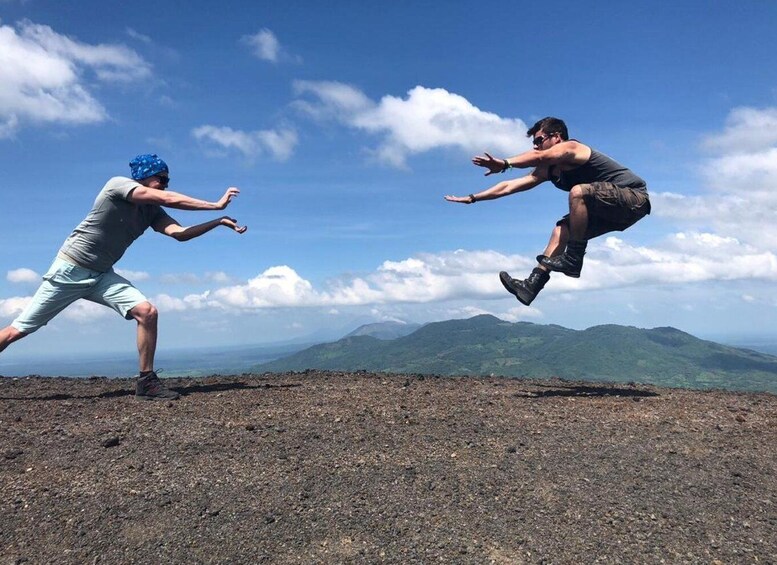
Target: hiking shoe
[(527, 290), (570, 262), (151, 388), (564, 264)]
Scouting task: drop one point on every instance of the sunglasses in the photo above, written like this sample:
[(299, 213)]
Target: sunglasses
[(163, 179), (541, 139)]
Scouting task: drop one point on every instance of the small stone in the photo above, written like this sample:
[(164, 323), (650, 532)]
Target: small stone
[(740, 418), (112, 441)]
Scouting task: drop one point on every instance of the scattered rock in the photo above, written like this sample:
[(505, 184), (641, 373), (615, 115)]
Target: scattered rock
[(112, 441), (492, 470)]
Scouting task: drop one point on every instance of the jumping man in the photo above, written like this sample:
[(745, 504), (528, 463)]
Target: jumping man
[(604, 196)]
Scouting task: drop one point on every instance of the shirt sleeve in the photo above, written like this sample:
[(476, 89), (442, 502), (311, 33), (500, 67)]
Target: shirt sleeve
[(160, 214), (121, 187)]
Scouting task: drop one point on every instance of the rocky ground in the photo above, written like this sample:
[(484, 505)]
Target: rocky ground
[(322, 467)]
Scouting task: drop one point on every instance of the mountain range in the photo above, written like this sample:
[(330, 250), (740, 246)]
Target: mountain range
[(486, 345)]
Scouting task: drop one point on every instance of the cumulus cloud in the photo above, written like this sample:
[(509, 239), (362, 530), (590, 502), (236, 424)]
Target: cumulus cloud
[(747, 130), (81, 311), (472, 275), (427, 119), (218, 277), (42, 76), (179, 278), (23, 276), (265, 45), (279, 143), (166, 303), (740, 181), (464, 277), (133, 275), (682, 258), (12, 307)]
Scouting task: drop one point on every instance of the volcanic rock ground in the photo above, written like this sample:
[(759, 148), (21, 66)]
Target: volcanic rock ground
[(324, 467)]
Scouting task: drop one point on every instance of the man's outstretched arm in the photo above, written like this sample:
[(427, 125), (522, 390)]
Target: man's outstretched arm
[(501, 189), (169, 199), (566, 153), (170, 227)]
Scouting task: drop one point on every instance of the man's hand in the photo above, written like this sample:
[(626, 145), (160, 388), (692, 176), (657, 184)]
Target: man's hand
[(232, 223), (231, 193), (460, 199), (493, 165)]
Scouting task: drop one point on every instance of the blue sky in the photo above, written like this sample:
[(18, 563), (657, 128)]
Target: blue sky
[(344, 124)]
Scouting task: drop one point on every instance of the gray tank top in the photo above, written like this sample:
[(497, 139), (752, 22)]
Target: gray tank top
[(599, 168)]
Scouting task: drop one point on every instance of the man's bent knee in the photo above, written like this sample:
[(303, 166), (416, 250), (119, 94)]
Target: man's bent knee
[(579, 191), (145, 313)]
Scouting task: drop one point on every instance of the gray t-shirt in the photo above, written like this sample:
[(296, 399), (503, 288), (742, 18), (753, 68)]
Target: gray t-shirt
[(111, 226)]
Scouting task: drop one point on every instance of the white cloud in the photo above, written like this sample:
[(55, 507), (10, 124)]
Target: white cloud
[(740, 182), (747, 130), (427, 119), (519, 314), (179, 278), (23, 276), (265, 46), (81, 311), (279, 144), (682, 258), (218, 277), (133, 275), (165, 302), (12, 307), (42, 76), (461, 283), (136, 35)]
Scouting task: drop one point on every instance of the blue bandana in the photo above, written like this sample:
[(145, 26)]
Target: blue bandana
[(148, 165)]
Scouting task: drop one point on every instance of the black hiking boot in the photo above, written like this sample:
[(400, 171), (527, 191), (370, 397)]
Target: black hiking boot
[(527, 290), (570, 263), (150, 387)]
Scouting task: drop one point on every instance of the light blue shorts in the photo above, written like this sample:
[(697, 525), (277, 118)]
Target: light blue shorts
[(64, 283)]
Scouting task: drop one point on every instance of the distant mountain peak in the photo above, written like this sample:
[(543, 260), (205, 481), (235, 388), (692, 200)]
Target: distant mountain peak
[(385, 330)]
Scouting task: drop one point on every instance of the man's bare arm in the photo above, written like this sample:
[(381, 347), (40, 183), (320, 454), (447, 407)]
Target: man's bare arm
[(169, 199), (170, 227), (504, 188), (565, 154)]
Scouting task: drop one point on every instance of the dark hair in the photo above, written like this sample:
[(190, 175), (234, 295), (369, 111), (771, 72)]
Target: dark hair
[(550, 125)]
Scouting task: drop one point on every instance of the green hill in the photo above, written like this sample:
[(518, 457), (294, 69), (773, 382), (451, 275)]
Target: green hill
[(485, 345)]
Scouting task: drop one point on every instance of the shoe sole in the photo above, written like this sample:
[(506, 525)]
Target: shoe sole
[(506, 279)]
